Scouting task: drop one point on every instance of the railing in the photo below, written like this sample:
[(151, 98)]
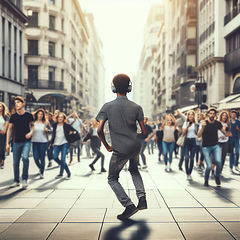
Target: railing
[(44, 84), (232, 60)]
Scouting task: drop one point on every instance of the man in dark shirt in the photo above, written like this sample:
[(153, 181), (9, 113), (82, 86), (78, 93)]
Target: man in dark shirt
[(209, 132), (23, 129), (122, 115)]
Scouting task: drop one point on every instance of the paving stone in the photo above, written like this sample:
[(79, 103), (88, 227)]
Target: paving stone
[(37, 193), (11, 215), (85, 215), (27, 203), (233, 228), (53, 203), (225, 214), (28, 231), (65, 193), (191, 214), (181, 202), (93, 203), (216, 202), (76, 231), (43, 215), (4, 226)]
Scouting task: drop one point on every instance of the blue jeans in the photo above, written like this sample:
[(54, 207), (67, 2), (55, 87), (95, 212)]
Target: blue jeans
[(189, 149), (39, 151), (117, 163), (234, 143), (21, 149), (216, 151), (143, 146), (168, 147), (63, 149)]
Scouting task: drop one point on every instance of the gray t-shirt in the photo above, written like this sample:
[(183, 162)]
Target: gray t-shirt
[(122, 115)]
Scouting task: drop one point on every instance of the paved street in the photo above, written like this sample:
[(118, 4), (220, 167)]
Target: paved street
[(85, 207)]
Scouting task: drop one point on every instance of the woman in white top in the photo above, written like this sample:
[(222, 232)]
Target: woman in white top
[(190, 130), (223, 141), (4, 122), (168, 143), (40, 139)]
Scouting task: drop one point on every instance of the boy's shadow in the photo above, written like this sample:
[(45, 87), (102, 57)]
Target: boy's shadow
[(141, 233)]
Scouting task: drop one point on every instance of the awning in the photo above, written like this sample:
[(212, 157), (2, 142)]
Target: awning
[(185, 109), (230, 102)]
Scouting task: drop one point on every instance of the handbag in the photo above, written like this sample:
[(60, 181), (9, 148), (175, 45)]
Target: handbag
[(181, 140), (73, 137)]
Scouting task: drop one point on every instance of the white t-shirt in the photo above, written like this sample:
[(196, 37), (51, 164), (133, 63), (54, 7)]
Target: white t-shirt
[(221, 137), (2, 123), (191, 133), (38, 134), (77, 124), (60, 137)]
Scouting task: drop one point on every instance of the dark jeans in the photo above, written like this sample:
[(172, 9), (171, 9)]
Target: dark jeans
[(189, 149), (99, 154), (39, 151), (181, 157), (117, 163), (234, 144), (150, 146), (159, 144), (77, 144), (143, 146), (50, 153), (21, 149), (63, 149), (224, 150), (2, 146), (199, 150)]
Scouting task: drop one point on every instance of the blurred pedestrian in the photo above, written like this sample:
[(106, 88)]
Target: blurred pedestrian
[(50, 147), (95, 144), (22, 122), (168, 143), (4, 122), (40, 139), (209, 132), (158, 139)]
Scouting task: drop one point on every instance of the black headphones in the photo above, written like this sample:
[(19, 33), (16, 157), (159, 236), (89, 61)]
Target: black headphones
[(129, 89)]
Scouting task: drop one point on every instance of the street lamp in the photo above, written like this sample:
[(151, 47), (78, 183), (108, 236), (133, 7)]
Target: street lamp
[(201, 86)]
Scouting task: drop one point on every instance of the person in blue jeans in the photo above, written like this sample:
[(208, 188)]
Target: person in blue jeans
[(189, 129), (23, 129), (234, 141), (40, 139), (209, 132), (60, 137), (168, 143), (144, 142)]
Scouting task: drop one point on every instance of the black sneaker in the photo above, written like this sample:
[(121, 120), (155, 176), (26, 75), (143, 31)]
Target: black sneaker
[(206, 184), (49, 164), (217, 180), (128, 212), (103, 170), (92, 167), (142, 204)]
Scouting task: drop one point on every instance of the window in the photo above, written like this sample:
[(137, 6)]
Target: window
[(51, 74), (32, 76), (33, 47), (9, 49), (51, 48), (15, 39), (51, 2), (20, 56), (62, 75), (3, 30), (236, 87), (52, 22), (62, 25), (33, 20)]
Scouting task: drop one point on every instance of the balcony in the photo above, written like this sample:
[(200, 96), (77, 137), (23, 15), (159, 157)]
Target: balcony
[(235, 11), (232, 60), (44, 84)]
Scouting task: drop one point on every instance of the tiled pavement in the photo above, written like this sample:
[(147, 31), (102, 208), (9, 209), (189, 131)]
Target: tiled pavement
[(85, 207)]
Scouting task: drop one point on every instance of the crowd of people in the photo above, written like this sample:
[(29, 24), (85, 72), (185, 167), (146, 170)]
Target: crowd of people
[(47, 135)]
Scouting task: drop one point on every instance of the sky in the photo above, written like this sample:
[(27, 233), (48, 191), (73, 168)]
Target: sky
[(120, 25)]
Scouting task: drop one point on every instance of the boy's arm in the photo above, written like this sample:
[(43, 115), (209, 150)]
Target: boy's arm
[(144, 132), (102, 136), (9, 132)]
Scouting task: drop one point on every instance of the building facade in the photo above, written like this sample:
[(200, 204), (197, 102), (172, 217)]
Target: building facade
[(12, 22), (56, 65)]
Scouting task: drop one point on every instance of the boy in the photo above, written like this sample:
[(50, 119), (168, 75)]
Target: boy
[(122, 115), (23, 130)]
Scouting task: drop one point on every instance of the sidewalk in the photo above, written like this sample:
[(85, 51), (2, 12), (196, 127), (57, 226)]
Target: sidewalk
[(86, 208)]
